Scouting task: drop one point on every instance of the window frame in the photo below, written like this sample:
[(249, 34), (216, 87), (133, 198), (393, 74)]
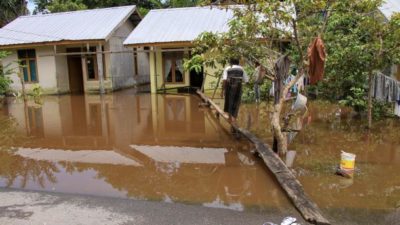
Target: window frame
[(173, 56), (26, 59), (95, 69)]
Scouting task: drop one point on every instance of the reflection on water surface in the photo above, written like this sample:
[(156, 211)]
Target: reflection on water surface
[(141, 146), (375, 187)]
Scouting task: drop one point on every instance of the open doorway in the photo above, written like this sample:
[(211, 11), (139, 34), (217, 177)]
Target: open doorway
[(75, 73), (196, 78)]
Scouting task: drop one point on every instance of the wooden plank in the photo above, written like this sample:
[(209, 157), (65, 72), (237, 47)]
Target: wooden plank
[(294, 190)]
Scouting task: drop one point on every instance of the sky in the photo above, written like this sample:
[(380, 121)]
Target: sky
[(31, 5)]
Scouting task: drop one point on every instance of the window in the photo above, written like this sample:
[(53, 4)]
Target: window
[(173, 67), (175, 114), (27, 60), (91, 65)]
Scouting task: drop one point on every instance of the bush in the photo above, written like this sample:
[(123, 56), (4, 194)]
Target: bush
[(4, 84), (359, 103), (5, 81), (356, 100), (381, 109)]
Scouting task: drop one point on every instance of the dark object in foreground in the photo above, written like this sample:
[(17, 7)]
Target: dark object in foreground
[(344, 173), (308, 209)]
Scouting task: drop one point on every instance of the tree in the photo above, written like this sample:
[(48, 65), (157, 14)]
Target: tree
[(66, 5), (359, 41), (143, 5), (265, 30), (181, 3), (11, 9), (5, 81)]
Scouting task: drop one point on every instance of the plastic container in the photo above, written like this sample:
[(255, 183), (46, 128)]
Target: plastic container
[(300, 103), (347, 161)]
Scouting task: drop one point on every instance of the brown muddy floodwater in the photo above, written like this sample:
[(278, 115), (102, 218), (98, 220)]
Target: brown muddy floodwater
[(373, 195), (139, 146), (167, 148)]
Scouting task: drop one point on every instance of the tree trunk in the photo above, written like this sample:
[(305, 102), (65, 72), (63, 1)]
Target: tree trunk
[(370, 76), (279, 136)]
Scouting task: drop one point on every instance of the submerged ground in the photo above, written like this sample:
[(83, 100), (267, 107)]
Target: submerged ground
[(167, 149)]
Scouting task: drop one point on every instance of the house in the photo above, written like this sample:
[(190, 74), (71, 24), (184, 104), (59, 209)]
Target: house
[(74, 52), (169, 33)]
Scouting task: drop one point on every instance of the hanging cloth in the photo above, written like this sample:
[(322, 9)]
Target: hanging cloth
[(282, 66), (316, 58)]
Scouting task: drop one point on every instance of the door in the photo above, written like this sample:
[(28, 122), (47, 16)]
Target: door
[(75, 74)]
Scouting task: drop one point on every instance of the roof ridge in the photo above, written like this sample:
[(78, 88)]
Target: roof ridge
[(77, 11), (192, 7)]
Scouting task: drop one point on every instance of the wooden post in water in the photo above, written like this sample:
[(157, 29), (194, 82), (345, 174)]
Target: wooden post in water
[(294, 190)]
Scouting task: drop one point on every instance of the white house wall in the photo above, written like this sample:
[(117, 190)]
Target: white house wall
[(122, 68), (46, 70), (62, 72), (143, 62), (46, 66)]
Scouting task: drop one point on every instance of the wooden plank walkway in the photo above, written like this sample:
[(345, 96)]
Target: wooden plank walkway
[(294, 190)]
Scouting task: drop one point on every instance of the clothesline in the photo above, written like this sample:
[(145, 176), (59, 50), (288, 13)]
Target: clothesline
[(385, 88)]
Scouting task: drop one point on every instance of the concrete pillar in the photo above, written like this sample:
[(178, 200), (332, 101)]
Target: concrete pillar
[(153, 71), (99, 55)]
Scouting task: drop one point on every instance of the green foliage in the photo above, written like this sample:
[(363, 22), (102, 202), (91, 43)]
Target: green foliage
[(260, 32), (11, 9), (4, 84), (143, 6), (5, 81), (249, 95), (381, 110), (182, 3), (357, 40), (195, 63), (8, 132), (356, 99), (37, 91), (65, 5)]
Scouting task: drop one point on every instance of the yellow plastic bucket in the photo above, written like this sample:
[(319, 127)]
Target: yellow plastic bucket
[(347, 161)]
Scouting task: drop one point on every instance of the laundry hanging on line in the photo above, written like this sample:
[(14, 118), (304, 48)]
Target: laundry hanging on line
[(385, 88), (316, 59)]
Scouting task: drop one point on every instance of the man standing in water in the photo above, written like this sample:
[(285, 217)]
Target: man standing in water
[(233, 77)]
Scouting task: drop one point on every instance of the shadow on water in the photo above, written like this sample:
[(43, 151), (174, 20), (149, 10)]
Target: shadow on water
[(373, 195), (140, 146)]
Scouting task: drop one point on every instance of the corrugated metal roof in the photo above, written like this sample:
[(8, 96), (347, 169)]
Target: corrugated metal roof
[(390, 7), (96, 24), (179, 25)]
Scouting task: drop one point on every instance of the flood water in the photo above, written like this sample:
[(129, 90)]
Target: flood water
[(167, 148), (373, 195), (128, 145)]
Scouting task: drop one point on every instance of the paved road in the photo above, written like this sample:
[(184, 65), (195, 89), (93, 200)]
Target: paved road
[(43, 208)]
